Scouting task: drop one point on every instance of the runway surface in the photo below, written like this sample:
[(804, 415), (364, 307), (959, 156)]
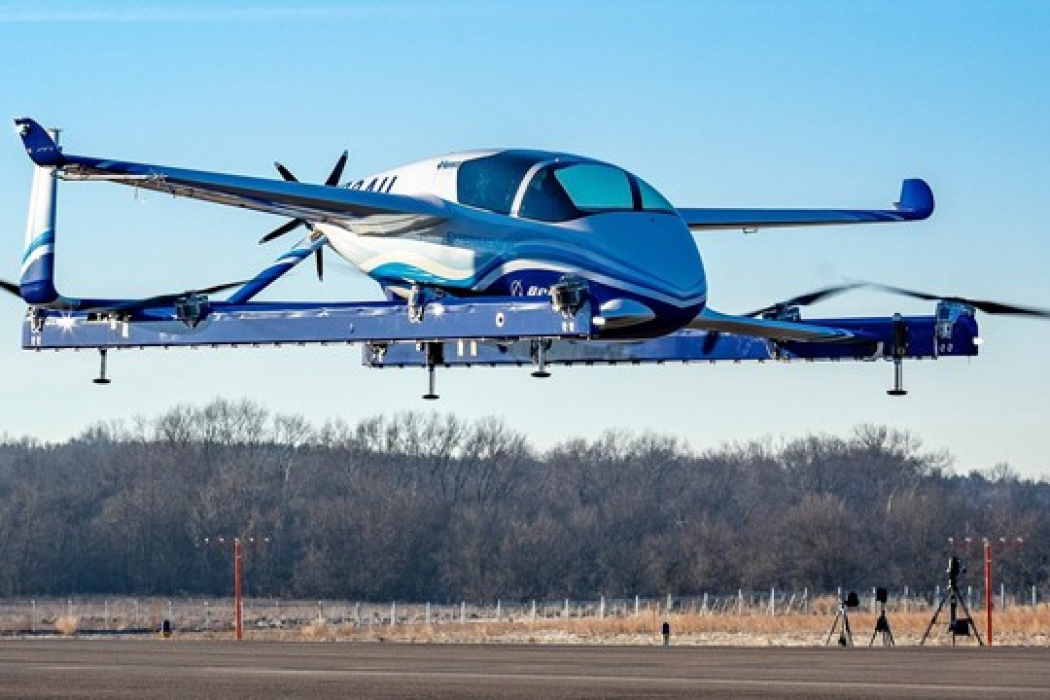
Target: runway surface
[(158, 669)]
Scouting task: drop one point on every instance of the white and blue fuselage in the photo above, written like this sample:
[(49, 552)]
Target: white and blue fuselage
[(522, 221)]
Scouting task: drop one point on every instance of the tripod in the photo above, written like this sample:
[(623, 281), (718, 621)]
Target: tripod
[(958, 626), (842, 616), (882, 625)]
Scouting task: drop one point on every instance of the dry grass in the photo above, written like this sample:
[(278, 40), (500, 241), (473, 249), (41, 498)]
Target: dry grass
[(1016, 627), (318, 630), (66, 625)]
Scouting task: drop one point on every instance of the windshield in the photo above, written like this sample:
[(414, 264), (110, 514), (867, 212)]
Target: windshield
[(593, 187), (492, 182), (561, 192), (556, 191)]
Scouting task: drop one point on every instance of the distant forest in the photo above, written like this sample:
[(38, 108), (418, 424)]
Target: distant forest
[(429, 507)]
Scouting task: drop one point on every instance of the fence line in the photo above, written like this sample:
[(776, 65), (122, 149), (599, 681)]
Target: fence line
[(111, 614)]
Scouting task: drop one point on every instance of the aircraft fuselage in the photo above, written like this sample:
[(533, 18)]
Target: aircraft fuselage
[(554, 217)]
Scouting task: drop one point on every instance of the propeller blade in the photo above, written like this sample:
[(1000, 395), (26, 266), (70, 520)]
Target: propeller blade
[(993, 308), (285, 172), (319, 256), (333, 179), (337, 171), (281, 230), (11, 288), (807, 299)]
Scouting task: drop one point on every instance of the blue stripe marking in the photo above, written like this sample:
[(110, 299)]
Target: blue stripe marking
[(45, 238)]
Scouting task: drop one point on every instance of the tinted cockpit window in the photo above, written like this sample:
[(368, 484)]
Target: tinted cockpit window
[(492, 182), (595, 187), (651, 199), (560, 192), (556, 191)]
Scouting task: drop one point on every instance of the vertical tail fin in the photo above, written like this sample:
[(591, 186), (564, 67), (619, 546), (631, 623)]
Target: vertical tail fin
[(37, 283)]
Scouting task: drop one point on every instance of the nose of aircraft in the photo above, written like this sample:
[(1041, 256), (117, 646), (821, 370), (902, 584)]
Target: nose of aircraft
[(658, 277), (661, 250)]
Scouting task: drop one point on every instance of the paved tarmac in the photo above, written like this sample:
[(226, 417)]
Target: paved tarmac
[(163, 670)]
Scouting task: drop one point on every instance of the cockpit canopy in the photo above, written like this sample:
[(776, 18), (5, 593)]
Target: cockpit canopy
[(552, 187)]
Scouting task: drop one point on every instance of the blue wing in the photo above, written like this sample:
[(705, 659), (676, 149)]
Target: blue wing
[(315, 203), (916, 203)]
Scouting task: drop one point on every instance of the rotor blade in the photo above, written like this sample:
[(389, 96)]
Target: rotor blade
[(11, 288), (319, 256), (285, 172), (337, 171), (993, 308), (998, 308), (808, 298), (907, 292), (281, 230)]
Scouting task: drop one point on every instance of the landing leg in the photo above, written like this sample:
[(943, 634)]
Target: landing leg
[(541, 360), (898, 378), (435, 356), (101, 378), (901, 336), (431, 394)]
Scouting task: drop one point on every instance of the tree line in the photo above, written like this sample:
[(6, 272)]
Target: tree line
[(430, 507)]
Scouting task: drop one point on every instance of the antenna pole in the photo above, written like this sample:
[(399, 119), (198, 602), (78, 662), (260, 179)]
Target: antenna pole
[(988, 590), (237, 585)]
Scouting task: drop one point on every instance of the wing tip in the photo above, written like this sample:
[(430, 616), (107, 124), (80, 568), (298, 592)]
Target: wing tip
[(916, 199)]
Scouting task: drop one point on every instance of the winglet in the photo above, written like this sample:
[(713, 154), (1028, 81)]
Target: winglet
[(39, 144), (916, 199)]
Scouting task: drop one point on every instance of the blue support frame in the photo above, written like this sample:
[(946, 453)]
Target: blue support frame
[(926, 340), (479, 332), (277, 323)]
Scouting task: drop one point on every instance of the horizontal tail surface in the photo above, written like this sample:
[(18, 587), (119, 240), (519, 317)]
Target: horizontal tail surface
[(40, 144)]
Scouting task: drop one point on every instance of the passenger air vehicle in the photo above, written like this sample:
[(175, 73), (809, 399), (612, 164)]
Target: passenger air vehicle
[(539, 257)]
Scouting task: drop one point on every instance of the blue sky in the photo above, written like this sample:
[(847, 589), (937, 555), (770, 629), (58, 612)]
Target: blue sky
[(741, 103)]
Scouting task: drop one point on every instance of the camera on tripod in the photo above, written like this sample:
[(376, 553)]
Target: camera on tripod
[(852, 600), (958, 625), (882, 624)]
